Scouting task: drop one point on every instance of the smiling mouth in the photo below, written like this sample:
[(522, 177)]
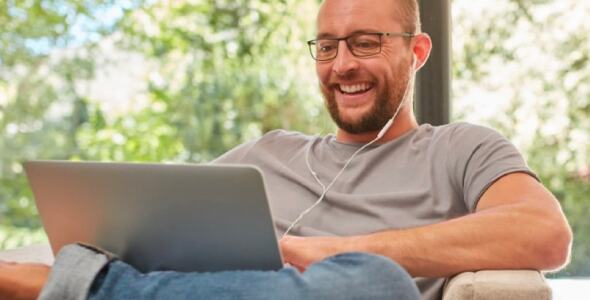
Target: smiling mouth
[(354, 89)]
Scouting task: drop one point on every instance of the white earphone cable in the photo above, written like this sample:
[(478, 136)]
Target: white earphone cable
[(381, 133)]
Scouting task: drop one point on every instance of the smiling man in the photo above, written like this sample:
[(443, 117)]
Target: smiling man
[(384, 192), (365, 78)]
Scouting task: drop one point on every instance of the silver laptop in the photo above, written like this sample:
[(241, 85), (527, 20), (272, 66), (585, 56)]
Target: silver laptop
[(158, 216)]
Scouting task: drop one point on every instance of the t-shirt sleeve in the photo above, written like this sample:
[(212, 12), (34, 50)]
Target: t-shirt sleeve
[(274, 140), (482, 156), (235, 155)]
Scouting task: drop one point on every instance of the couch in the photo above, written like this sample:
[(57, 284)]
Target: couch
[(480, 285)]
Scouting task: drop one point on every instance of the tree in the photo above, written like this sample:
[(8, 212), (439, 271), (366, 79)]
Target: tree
[(523, 67), (40, 105), (228, 71), (225, 73)]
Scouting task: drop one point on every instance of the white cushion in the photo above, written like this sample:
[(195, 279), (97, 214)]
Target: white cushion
[(498, 284), (34, 254)]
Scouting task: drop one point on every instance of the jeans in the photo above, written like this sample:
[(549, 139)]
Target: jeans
[(344, 276)]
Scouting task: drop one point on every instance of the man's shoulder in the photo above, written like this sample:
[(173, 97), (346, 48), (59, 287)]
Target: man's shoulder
[(283, 137), (457, 127), (272, 143), (463, 131), (457, 139)]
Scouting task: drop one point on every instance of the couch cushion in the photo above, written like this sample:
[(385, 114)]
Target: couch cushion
[(34, 253), (497, 284)]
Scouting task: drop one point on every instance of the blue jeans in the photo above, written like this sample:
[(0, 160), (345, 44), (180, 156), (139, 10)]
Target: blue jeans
[(344, 276)]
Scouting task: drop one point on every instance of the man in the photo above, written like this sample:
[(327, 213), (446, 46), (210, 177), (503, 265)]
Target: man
[(436, 200)]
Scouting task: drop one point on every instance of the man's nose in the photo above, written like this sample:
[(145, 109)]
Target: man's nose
[(345, 62)]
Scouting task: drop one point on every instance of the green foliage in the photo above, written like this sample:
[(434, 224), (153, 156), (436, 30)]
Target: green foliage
[(41, 107), (228, 71), (535, 55), (13, 237), (30, 29)]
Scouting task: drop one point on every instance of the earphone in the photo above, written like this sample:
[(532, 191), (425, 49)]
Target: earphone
[(380, 135)]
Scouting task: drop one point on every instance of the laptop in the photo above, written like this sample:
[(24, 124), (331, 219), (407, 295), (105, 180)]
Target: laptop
[(181, 217)]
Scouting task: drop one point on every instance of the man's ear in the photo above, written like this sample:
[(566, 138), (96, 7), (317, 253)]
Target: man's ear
[(421, 47)]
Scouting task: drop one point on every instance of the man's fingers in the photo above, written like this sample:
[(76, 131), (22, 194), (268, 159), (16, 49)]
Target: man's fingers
[(294, 265), (286, 246)]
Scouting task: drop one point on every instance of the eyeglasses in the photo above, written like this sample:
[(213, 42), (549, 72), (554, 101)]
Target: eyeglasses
[(359, 44)]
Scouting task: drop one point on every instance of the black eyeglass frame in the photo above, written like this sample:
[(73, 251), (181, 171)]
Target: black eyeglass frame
[(313, 43)]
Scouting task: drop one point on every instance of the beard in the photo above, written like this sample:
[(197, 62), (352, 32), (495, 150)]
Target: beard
[(386, 103)]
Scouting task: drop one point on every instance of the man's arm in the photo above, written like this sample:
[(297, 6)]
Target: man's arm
[(22, 281), (518, 224)]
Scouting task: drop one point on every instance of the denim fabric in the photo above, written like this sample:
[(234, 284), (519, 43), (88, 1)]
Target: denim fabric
[(345, 276)]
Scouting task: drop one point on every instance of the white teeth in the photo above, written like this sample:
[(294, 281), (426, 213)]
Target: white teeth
[(355, 88)]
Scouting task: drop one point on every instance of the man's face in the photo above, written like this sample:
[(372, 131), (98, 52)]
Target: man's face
[(362, 94)]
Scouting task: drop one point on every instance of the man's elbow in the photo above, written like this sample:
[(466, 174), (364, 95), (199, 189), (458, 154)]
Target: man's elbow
[(556, 244)]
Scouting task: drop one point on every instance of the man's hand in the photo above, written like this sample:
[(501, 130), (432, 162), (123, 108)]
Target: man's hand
[(22, 281), (301, 252)]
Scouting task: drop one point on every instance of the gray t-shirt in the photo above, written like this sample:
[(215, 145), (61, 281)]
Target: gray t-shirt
[(426, 176)]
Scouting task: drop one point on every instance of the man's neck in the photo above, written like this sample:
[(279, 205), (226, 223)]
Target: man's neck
[(403, 124)]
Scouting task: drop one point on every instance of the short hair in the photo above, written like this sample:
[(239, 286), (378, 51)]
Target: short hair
[(409, 12)]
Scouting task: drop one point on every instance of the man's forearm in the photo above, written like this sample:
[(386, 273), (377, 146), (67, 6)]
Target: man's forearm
[(516, 236), (22, 281)]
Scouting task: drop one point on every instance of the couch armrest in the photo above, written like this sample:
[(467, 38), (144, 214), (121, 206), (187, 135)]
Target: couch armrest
[(33, 254), (498, 284)]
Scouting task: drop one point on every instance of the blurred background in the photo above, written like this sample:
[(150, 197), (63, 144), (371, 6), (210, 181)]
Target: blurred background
[(186, 80)]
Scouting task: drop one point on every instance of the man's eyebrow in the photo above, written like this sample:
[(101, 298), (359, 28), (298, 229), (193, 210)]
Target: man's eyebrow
[(325, 35)]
